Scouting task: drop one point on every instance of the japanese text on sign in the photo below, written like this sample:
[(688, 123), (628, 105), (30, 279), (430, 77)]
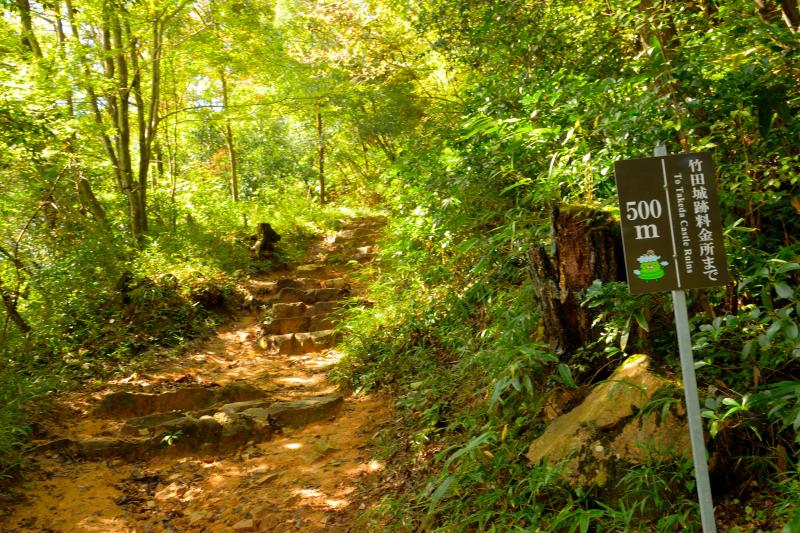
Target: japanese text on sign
[(671, 232)]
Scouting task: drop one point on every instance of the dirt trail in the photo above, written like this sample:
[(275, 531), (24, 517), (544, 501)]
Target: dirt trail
[(242, 433)]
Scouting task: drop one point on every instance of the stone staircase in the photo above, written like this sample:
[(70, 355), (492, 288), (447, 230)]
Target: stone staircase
[(297, 316)]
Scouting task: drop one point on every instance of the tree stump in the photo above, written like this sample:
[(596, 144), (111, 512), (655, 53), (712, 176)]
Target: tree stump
[(266, 240), (585, 245)]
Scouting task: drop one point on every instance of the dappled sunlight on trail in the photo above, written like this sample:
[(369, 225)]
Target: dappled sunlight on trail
[(240, 433)]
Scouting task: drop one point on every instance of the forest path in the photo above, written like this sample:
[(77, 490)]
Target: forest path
[(241, 433)]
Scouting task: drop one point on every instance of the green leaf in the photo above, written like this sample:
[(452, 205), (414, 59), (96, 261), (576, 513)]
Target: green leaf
[(470, 446), (783, 290), (793, 526), (441, 491), (784, 267), (774, 328), (566, 375), (790, 329), (641, 320), (626, 331), (499, 388)]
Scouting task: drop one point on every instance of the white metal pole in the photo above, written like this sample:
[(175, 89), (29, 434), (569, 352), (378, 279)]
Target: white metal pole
[(692, 402), (693, 412)]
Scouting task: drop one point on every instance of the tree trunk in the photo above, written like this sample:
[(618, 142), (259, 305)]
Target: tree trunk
[(28, 36), (86, 195), (586, 245), (89, 200), (10, 304), (229, 142), (321, 157), (90, 92), (121, 118), (791, 14), (158, 175)]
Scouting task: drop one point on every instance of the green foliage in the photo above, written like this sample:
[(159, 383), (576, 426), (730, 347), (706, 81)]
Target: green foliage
[(551, 94), (620, 314), (170, 438), (16, 393)]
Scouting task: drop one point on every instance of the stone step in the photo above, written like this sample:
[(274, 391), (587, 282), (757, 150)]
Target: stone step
[(301, 412), (311, 267), (321, 323), (299, 309), (300, 324), (226, 428), (289, 310), (264, 293), (289, 295), (324, 308), (282, 326), (298, 283), (125, 404), (335, 283), (300, 343)]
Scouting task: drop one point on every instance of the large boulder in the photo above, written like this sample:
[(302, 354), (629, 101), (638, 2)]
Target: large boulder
[(607, 432)]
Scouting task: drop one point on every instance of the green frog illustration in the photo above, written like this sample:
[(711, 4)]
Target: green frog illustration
[(650, 268)]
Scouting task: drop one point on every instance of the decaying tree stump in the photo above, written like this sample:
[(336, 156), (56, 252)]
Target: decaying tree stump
[(585, 246), (266, 240)]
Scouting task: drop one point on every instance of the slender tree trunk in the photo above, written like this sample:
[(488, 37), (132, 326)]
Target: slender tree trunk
[(232, 156), (89, 200), (28, 36), (137, 213), (62, 52), (10, 304), (86, 195), (234, 178), (90, 92), (158, 175), (386, 147), (321, 156)]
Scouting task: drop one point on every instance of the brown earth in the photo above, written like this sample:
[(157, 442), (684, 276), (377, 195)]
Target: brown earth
[(241, 433)]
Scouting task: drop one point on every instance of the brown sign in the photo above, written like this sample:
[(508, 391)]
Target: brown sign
[(671, 230)]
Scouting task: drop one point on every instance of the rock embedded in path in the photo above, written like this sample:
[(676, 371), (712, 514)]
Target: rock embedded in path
[(315, 341), (335, 283), (133, 426), (325, 338), (363, 253), (282, 326), (238, 407), (237, 391), (130, 404), (322, 308), (319, 323), (284, 344), (245, 525), (301, 412), (289, 295), (125, 404), (313, 267), (326, 295), (299, 283), (288, 310)]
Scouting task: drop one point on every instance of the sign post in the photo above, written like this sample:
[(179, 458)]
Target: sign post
[(672, 239)]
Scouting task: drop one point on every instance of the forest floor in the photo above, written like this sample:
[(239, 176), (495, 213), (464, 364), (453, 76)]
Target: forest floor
[(242, 432)]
